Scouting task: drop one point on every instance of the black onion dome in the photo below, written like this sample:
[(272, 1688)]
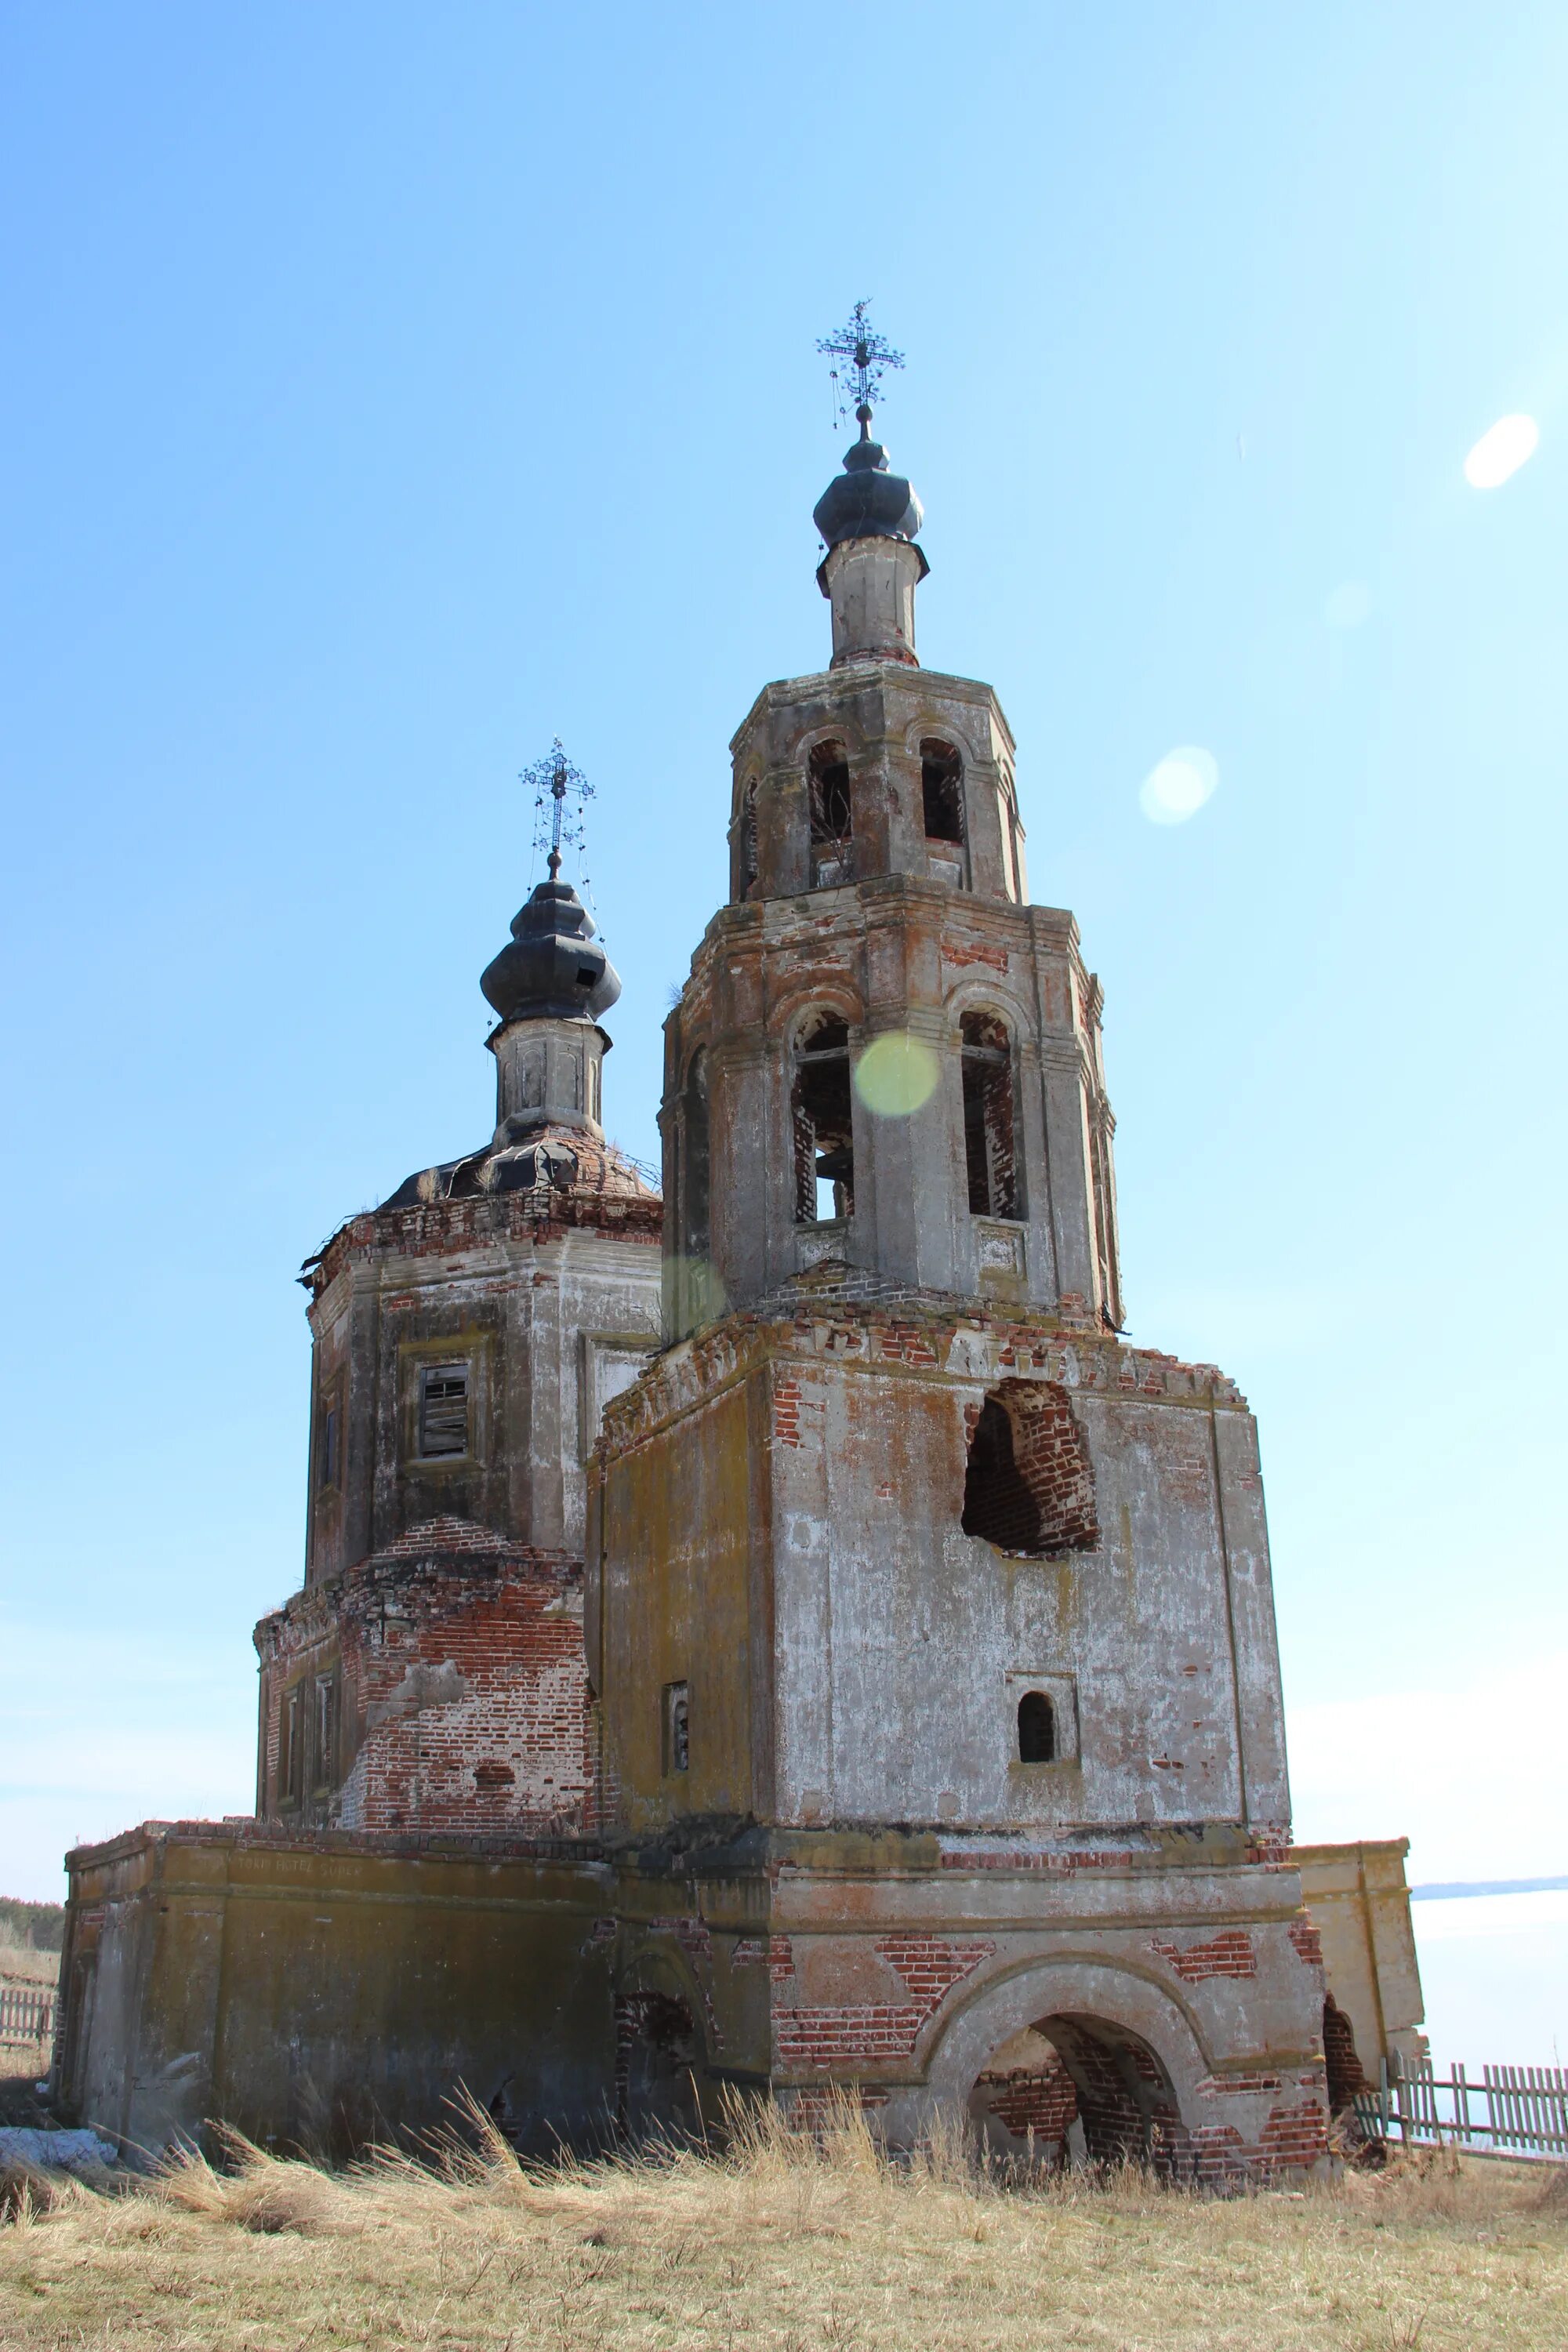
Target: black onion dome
[(867, 501), (554, 969)]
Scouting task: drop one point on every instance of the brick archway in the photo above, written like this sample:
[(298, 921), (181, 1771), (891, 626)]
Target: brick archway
[(1153, 2077), (1074, 2085), (661, 2050)]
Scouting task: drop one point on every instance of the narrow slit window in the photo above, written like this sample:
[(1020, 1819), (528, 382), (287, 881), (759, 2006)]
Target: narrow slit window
[(942, 791), (329, 1446), (1036, 1729), (291, 1763), (326, 1730), (443, 1412), (989, 1149), (824, 1124), (677, 1727), (695, 1203), (749, 839)]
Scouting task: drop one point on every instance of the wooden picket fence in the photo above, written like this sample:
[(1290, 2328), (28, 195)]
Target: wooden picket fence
[(26, 2012), (1516, 2111)]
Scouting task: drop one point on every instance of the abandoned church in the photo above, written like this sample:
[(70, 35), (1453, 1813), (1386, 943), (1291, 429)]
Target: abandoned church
[(772, 1633)]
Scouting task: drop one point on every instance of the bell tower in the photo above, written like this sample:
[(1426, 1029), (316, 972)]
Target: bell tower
[(884, 1058), (887, 1436)]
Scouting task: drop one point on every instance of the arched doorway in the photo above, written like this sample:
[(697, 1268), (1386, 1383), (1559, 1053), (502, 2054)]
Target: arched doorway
[(659, 2055), (1075, 2088)]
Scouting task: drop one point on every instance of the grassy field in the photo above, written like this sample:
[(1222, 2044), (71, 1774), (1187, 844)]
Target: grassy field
[(20, 1963), (781, 2242)]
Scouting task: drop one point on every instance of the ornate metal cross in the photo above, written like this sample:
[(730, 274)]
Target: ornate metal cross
[(859, 355), (560, 790)]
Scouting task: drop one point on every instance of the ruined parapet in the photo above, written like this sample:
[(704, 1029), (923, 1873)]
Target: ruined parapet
[(438, 1685)]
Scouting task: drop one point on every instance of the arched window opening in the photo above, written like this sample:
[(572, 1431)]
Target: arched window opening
[(990, 1158), (1036, 1729), (694, 1202), (659, 2055), (942, 791), (824, 1127), (1028, 1488), (827, 780)]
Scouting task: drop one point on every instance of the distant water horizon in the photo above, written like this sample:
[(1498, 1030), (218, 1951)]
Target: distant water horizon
[(1451, 1890)]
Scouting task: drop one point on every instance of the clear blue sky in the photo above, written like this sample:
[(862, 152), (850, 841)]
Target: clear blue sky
[(393, 387)]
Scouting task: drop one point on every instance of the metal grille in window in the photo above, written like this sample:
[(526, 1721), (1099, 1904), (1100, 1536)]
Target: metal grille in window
[(444, 1410)]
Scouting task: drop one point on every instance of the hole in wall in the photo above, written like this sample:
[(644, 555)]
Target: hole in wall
[(1028, 1488)]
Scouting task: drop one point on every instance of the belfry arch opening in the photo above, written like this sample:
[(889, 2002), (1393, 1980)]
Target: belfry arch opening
[(942, 791), (831, 816), (990, 1154), (1079, 2089), (822, 1122), (1028, 1488)]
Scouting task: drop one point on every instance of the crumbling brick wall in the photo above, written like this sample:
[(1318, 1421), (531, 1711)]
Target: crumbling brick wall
[(1029, 1488), (464, 1698)]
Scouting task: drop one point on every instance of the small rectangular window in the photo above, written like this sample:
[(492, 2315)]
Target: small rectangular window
[(677, 1727), (443, 1410), (326, 1730)]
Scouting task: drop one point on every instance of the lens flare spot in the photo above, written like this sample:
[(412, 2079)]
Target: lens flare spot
[(1501, 451), (896, 1074), (1178, 787), (1348, 605)]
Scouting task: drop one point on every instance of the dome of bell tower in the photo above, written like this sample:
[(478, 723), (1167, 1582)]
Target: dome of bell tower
[(555, 967), (867, 499)]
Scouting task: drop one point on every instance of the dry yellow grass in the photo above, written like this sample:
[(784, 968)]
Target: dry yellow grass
[(781, 2242), (20, 1964)]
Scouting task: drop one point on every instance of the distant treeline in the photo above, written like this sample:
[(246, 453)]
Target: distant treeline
[(36, 1927)]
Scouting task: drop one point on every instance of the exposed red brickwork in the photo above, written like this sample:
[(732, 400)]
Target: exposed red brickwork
[(1308, 1943), (1041, 2100), (1228, 1954), (961, 956), (772, 1952), (989, 1146), (905, 1343), (459, 1689), (1344, 2076), (1028, 1488), (601, 1201), (930, 1965), (876, 2032), (786, 1412)]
